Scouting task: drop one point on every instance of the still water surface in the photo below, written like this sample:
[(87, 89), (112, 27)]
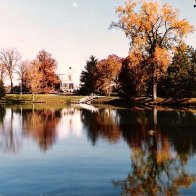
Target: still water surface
[(91, 151)]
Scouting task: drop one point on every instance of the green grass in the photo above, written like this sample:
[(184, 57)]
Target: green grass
[(39, 98), (62, 100)]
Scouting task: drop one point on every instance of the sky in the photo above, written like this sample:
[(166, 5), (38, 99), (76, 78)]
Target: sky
[(71, 30)]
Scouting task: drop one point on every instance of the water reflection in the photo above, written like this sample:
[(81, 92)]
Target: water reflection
[(161, 142), (9, 140), (17, 124), (101, 124), (44, 126), (41, 125)]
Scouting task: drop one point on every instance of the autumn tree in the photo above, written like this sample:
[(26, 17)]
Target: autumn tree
[(34, 79), (9, 58), (46, 66), (87, 78), (107, 71), (154, 31)]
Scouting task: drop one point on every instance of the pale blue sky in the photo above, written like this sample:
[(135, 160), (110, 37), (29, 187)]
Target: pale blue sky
[(71, 30)]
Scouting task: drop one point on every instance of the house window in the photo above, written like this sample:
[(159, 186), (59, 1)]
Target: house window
[(65, 85), (71, 86)]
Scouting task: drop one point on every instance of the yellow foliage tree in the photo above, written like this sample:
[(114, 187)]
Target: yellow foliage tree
[(154, 31)]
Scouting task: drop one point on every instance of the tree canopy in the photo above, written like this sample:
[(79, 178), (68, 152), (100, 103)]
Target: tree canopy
[(46, 65), (154, 31), (107, 71), (180, 78)]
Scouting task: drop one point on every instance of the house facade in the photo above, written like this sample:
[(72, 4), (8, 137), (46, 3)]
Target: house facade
[(68, 82)]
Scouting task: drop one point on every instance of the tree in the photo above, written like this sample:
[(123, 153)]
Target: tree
[(192, 54), (107, 71), (2, 72), (34, 79), (132, 81), (87, 78), (2, 89), (10, 58), (21, 71), (46, 66), (154, 30), (179, 81)]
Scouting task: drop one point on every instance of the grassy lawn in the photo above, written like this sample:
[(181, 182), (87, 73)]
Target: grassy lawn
[(40, 98), (109, 100)]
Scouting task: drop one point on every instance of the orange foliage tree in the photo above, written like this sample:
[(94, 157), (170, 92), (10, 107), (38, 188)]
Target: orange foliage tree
[(106, 73), (33, 78), (46, 65), (154, 31)]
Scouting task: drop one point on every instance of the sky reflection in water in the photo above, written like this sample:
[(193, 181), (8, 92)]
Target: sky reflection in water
[(101, 151)]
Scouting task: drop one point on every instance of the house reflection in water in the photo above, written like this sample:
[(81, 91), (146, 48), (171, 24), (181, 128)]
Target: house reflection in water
[(70, 123)]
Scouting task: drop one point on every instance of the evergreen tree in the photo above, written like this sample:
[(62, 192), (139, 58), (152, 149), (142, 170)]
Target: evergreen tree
[(192, 53), (132, 80), (179, 81), (88, 78), (126, 81)]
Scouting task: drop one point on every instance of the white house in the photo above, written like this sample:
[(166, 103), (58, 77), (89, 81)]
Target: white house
[(68, 82)]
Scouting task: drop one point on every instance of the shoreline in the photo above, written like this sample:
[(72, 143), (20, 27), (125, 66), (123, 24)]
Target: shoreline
[(105, 100)]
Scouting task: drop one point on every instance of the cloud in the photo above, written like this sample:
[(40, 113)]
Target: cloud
[(75, 5)]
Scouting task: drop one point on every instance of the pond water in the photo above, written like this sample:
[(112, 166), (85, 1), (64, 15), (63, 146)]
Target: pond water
[(90, 151)]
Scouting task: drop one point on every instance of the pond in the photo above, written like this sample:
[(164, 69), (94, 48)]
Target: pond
[(83, 150)]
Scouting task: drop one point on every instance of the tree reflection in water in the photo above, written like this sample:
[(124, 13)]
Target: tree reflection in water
[(158, 167), (161, 142), (9, 141), (102, 123), (40, 124)]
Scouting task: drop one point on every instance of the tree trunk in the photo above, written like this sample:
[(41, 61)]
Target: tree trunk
[(11, 90), (21, 84), (154, 91), (21, 88), (154, 84), (33, 97)]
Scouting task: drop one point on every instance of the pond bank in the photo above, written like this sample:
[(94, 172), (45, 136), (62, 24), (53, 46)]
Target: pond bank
[(106, 100), (38, 98), (146, 101)]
